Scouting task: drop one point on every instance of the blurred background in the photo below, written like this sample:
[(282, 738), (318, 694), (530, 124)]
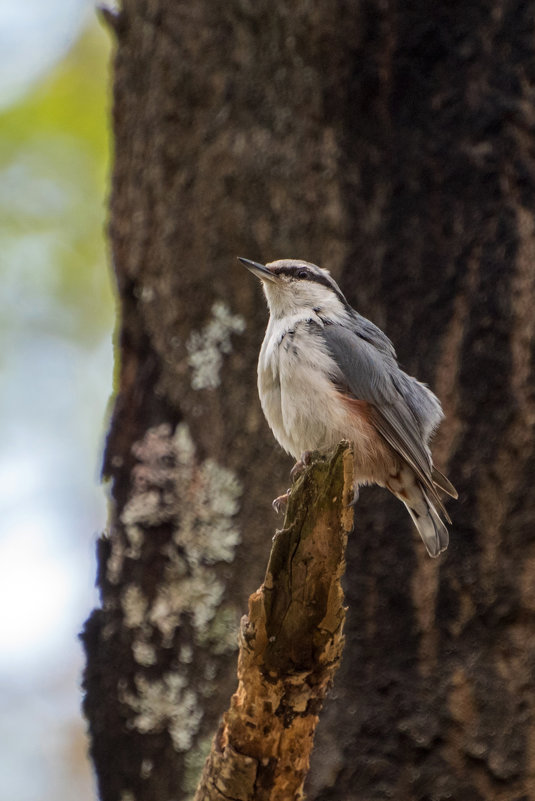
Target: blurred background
[(56, 378)]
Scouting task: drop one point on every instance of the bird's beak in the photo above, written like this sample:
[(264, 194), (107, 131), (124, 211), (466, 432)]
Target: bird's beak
[(259, 270)]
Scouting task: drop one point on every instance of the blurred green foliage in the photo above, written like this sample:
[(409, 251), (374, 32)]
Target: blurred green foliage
[(56, 319), (54, 162)]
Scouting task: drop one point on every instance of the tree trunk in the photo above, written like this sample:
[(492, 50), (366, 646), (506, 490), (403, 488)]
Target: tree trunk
[(392, 144)]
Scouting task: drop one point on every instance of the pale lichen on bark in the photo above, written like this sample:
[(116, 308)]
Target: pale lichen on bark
[(165, 703), (290, 646), (201, 500), (206, 347), (198, 501)]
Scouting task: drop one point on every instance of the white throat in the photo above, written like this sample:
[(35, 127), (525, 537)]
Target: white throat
[(302, 299)]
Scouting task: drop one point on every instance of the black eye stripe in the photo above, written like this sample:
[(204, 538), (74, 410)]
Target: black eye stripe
[(293, 272), (290, 271)]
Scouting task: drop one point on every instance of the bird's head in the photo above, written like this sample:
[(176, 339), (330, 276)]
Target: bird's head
[(292, 286)]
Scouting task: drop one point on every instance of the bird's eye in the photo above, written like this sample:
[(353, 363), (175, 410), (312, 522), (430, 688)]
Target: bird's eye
[(302, 274)]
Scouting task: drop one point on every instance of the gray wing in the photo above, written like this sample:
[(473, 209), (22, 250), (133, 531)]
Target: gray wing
[(372, 334), (395, 398)]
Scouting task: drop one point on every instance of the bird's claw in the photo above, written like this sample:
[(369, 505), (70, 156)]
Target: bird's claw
[(280, 503), (300, 465)]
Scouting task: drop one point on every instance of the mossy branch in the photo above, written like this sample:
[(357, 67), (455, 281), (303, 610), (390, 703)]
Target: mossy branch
[(290, 645)]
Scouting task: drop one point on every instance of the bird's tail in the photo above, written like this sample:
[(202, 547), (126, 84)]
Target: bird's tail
[(444, 483), (428, 522)]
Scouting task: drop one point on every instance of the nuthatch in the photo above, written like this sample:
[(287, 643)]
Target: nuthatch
[(326, 373)]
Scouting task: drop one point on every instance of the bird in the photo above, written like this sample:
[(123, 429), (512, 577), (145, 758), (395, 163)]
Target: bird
[(326, 373)]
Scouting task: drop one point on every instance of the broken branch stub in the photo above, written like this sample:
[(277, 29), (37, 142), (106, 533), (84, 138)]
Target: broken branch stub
[(290, 645)]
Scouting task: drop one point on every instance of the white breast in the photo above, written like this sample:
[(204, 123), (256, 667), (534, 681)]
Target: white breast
[(295, 386)]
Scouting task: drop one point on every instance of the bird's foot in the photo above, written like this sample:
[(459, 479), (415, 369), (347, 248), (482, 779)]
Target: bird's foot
[(300, 465), (280, 503)]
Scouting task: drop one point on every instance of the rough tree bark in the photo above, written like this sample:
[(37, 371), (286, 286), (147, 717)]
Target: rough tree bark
[(290, 646), (392, 143)]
